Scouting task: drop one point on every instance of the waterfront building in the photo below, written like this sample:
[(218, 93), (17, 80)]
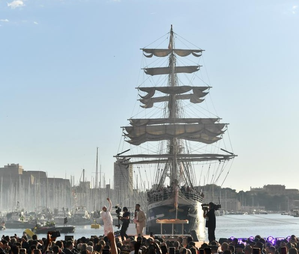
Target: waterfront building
[(123, 183), (31, 189)]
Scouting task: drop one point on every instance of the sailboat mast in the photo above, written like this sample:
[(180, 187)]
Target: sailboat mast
[(97, 159)]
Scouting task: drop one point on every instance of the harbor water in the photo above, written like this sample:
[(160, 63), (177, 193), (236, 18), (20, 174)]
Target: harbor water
[(239, 226), (244, 226)]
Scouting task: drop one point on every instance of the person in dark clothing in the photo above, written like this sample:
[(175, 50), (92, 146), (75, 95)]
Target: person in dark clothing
[(69, 247), (209, 214), (126, 221)]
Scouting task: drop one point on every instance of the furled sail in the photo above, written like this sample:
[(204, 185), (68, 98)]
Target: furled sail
[(205, 133), (151, 121), (168, 70), (164, 158), (197, 90), (195, 96), (148, 103), (166, 52)]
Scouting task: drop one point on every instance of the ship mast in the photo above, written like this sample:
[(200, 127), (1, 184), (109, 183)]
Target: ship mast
[(173, 110)]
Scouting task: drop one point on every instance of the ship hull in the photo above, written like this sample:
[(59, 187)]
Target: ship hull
[(61, 229), (187, 210)]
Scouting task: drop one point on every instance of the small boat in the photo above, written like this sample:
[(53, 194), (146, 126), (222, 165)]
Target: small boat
[(17, 219), (61, 229), (61, 216), (80, 216), (44, 229), (96, 226)]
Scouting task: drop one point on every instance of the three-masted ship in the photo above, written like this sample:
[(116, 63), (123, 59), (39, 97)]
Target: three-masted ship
[(174, 196)]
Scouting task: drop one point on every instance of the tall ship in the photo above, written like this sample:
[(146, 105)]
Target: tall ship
[(180, 144)]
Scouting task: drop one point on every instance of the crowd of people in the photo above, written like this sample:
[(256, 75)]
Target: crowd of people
[(145, 245)]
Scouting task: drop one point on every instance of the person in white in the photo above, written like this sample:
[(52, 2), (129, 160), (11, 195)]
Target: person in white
[(140, 219), (107, 218)]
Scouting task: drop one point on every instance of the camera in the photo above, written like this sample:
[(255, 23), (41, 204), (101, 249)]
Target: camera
[(118, 211), (54, 234), (205, 207)]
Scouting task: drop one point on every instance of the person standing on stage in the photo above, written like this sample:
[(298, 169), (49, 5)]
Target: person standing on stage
[(140, 219), (126, 221), (209, 214), (107, 218)]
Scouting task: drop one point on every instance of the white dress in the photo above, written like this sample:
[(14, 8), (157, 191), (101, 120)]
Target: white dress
[(107, 220)]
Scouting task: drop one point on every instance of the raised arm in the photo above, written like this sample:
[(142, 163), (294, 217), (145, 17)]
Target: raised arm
[(110, 205), (111, 238)]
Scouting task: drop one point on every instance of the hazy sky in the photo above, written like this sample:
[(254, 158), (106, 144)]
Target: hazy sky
[(69, 69)]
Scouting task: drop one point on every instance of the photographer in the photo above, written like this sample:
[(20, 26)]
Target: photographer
[(126, 221), (209, 214)]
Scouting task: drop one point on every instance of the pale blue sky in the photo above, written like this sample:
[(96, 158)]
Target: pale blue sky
[(69, 69)]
